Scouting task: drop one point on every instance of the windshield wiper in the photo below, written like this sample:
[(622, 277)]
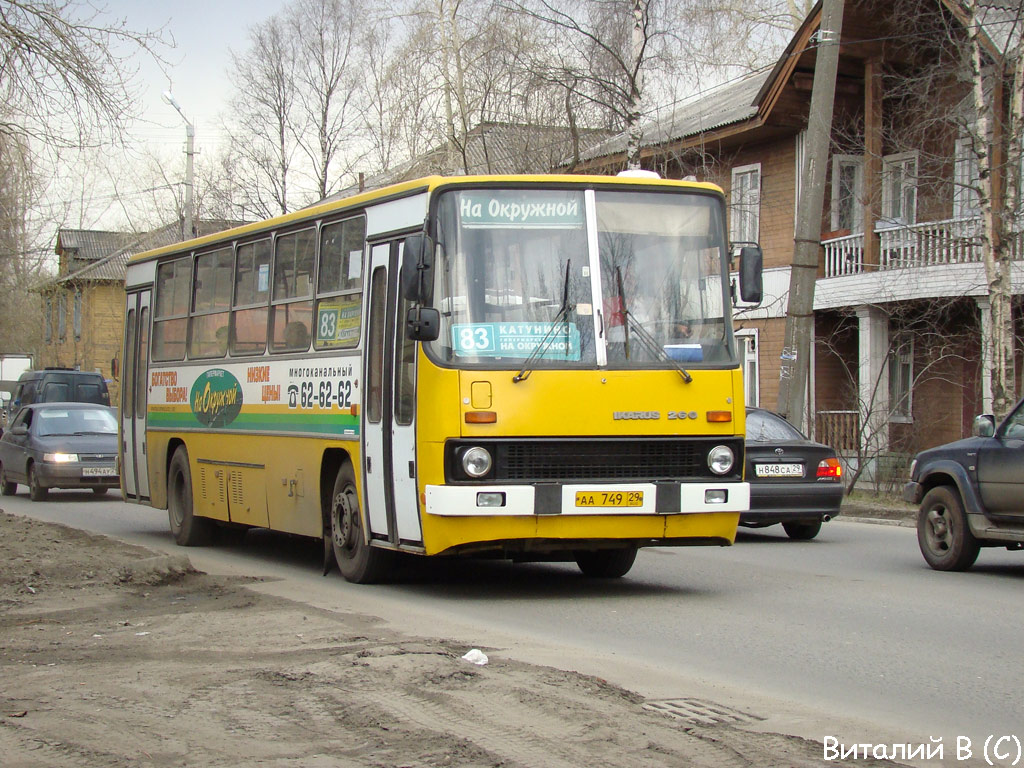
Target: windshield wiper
[(654, 348), (543, 344), (646, 340)]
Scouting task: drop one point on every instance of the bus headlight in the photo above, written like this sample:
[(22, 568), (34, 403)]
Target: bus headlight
[(476, 461), (720, 459)]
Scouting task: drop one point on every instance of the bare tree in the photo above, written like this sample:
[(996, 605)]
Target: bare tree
[(329, 59), (967, 89), (995, 62), (261, 122), (883, 428), (66, 71), (21, 261)]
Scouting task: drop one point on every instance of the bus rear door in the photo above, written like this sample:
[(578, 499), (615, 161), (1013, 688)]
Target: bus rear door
[(134, 397)]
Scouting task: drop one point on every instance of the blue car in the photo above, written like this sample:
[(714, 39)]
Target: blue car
[(59, 445)]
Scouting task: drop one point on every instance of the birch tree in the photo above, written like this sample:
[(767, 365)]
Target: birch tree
[(995, 62), (328, 70), (261, 119)]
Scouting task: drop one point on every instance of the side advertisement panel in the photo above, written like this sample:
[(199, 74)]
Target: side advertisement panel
[(286, 396)]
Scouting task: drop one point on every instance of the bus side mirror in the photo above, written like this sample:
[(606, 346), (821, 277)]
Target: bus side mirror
[(423, 324), (418, 269), (751, 261)]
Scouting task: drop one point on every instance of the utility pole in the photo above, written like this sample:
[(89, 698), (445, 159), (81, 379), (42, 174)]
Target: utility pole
[(796, 350), (190, 151)]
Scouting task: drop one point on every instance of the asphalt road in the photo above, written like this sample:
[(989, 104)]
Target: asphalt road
[(849, 635)]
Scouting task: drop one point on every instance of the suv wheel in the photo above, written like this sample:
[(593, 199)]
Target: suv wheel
[(945, 539)]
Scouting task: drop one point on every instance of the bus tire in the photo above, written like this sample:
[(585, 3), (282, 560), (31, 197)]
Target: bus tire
[(606, 563), (187, 529), (357, 560)]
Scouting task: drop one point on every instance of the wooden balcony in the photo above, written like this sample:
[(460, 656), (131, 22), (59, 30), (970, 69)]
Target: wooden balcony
[(838, 429), (953, 241)]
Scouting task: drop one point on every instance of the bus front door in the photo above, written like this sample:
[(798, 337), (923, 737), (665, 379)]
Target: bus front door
[(134, 397), (389, 429)]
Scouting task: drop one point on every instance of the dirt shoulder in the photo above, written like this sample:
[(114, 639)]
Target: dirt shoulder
[(113, 655)]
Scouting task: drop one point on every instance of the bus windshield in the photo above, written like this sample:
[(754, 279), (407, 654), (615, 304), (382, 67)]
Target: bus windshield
[(572, 278)]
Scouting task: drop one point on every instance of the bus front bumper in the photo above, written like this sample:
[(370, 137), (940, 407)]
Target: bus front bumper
[(556, 499)]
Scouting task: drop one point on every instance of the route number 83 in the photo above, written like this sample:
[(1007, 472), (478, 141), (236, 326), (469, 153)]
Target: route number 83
[(474, 339)]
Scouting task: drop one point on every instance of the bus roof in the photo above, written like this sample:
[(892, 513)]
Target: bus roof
[(416, 186)]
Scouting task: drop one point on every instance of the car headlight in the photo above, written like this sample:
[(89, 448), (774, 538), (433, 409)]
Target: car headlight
[(60, 458), (721, 459), (476, 461), (913, 468)]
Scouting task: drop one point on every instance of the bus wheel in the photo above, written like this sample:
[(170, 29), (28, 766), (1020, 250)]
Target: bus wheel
[(187, 529), (606, 563), (357, 560)]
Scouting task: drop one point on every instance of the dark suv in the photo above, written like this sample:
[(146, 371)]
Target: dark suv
[(60, 385), (971, 493)]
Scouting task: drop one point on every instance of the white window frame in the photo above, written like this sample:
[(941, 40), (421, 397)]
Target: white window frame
[(77, 321), (745, 204), (901, 399), (748, 337), (908, 189), (62, 317), (966, 203), (801, 154), (838, 163), (49, 319)]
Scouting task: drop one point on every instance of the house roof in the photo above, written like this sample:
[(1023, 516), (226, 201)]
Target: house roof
[(91, 244), (727, 105), (113, 265), (490, 148), (748, 102)]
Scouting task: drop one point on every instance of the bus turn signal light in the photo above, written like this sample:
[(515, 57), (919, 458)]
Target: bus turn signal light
[(481, 417), (719, 416), (830, 468)]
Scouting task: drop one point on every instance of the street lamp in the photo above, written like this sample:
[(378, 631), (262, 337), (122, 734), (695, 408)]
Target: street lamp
[(190, 135)]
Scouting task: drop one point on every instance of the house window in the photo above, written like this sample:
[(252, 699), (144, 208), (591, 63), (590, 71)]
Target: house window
[(966, 204), (751, 388), (49, 319), (62, 318), (901, 376), (78, 314), (746, 203), (847, 186), (899, 188)]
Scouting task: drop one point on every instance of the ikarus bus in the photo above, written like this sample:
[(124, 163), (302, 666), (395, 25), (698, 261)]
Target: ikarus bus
[(526, 367)]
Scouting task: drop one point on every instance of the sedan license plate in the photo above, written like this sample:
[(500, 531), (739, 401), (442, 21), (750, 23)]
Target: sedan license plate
[(779, 470), (609, 498), (98, 472)]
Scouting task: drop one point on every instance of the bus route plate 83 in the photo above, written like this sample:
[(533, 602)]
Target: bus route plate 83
[(609, 498)]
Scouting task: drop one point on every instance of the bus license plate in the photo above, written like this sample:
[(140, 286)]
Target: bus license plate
[(779, 470), (98, 471), (609, 498)]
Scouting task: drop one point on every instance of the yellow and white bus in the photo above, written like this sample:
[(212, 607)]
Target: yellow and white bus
[(533, 367)]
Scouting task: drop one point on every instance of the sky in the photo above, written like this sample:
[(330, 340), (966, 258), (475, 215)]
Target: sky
[(204, 31)]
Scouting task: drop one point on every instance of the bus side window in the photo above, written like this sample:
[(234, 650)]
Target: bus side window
[(249, 313), (339, 305), (170, 324), (292, 300), (208, 327)]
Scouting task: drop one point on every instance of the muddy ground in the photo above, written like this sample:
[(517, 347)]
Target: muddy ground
[(113, 655)]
